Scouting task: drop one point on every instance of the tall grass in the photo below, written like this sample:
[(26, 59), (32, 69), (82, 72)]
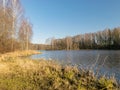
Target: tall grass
[(17, 54), (26, 74)]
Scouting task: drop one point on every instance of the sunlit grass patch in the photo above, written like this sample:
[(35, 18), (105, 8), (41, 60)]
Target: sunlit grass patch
[(12, 55), (26, 74)]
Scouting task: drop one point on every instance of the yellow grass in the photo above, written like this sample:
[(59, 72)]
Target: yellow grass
[(26, 74), (18, 54)]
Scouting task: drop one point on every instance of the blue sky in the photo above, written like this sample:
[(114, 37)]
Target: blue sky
[(61, 18)]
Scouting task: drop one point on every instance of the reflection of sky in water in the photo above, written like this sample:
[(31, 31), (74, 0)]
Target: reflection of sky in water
[(87, 58)]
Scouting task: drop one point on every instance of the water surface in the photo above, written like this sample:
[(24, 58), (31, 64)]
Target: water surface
[(107, 60)]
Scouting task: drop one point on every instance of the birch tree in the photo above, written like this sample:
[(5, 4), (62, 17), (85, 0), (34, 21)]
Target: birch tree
[(25, 34), (17, 14), (5, 25)]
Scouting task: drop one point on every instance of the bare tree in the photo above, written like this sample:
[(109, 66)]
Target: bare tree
[(17, 14), (25, 33), (5, 26), (12, 24), (68, 43)]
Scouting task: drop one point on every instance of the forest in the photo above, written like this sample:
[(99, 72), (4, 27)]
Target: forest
[(16, 33), (106, 39), (15, 27)]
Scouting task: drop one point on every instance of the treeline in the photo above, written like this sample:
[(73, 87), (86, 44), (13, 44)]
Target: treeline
[(15, 28), (106, 39), (40, 47)]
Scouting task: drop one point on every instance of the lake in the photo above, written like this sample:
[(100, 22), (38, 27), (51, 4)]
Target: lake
[(107, 60)]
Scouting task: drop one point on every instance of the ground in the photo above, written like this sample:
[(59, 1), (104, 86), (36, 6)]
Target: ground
[(20, 73)]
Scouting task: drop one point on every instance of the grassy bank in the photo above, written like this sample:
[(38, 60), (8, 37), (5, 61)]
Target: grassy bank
[(25, 74), (18, 54)]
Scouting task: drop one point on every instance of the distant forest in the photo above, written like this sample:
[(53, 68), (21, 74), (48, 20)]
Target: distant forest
[(106, 39)]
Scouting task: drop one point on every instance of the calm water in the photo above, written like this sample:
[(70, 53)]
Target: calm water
[(107, 60)]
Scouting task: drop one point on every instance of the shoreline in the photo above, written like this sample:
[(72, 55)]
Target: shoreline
[(18, 54), (27, 74)]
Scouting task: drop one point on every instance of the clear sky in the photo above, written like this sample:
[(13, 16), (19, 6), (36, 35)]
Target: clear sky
[(61, 18)]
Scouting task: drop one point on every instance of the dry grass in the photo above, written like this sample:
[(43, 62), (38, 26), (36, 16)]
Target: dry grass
[(18, 54), (26, 74)]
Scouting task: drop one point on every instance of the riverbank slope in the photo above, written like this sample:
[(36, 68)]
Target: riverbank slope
[(18, 73)]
